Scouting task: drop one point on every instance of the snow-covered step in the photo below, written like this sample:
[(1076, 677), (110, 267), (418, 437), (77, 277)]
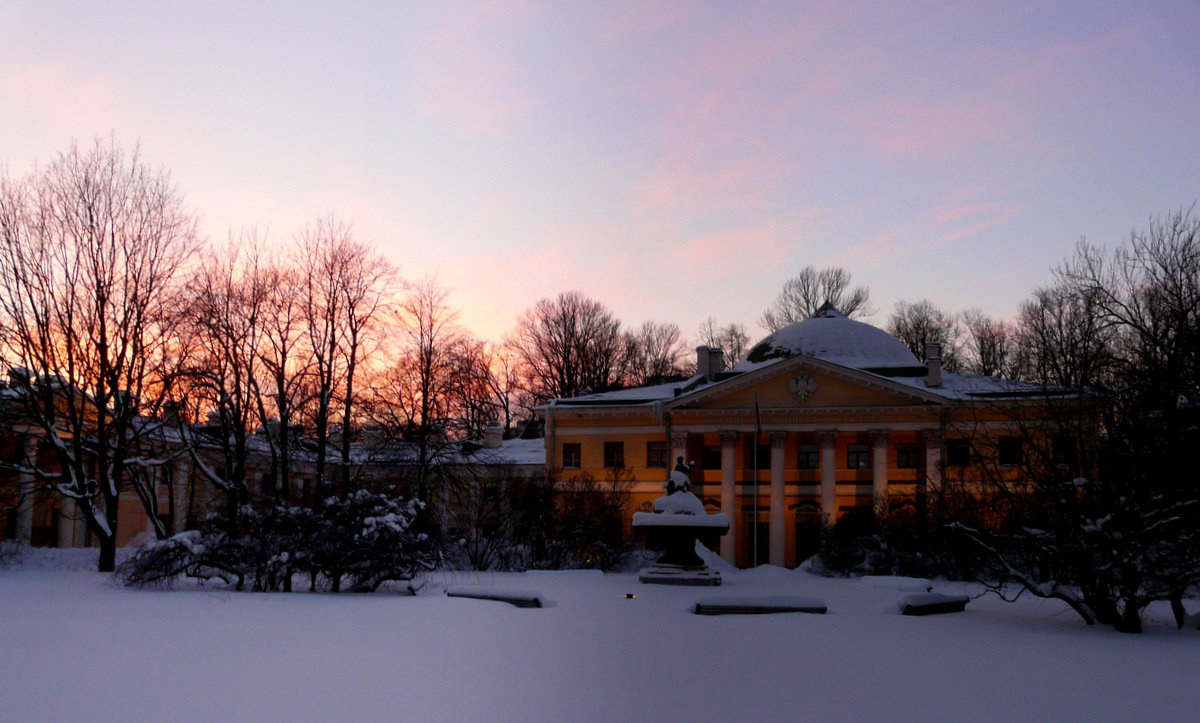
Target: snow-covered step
[(759, 604), (520, 598), (932, 603)]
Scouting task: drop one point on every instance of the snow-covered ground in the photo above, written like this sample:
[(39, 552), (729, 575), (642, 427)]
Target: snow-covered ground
[(73, 646)]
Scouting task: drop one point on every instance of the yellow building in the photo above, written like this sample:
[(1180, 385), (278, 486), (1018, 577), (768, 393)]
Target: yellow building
[(833, 414)]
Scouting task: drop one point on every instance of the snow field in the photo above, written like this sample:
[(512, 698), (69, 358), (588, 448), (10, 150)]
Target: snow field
[(74, 645)]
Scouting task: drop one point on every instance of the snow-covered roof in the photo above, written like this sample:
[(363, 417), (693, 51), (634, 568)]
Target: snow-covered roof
[(511, 451), (634, 395), (831, 336), (965, 386)]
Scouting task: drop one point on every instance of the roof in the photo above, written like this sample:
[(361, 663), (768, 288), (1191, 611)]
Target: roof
[(832, 338), (831, 335)]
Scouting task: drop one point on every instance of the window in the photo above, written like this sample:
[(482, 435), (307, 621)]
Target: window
[(1010, 452), (614, 455), (571, 456), (656, 454), (906, 456), (858, 456), (809, 457), (710, 457), (1064, 449), (958, 453), (166, 475)]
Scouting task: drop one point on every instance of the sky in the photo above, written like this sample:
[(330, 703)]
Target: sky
[(676, 161)]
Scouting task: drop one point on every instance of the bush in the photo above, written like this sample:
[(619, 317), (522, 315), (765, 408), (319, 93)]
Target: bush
[(356, 543), (11, 552), (897, 539)]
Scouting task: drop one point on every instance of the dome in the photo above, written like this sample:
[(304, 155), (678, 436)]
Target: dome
[(831, 336)]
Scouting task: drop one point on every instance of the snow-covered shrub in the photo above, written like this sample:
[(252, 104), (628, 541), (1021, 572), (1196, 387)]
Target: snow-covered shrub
[(160, 562), (368, 539), (894, 540), (11, 552), (361, 541)]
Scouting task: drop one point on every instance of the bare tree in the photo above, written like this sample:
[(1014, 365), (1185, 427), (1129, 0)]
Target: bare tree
[(416, 399), (921, 323), (504, 383), (473, 402), (368, 281), (90, 248), (286, 363), (1108, 523), (732, 340), (569, 344), (811, 289), (988, 345), (227, 303), (322, 247), (1062, 341), (1149, 290), (658, 354), (345, 285)]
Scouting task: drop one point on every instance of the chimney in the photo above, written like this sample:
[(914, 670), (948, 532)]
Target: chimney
[(933, 364), (170, 412), (710, 361), (214, 418), (493, 435)]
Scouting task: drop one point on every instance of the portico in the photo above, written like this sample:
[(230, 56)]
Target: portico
[(823, 419), (786, 488)]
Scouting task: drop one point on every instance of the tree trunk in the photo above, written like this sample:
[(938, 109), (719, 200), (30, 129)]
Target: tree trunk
[(108, 553), (1130, 620)]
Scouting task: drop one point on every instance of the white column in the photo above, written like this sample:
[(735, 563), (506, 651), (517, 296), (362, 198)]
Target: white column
[(67, 513), (728, 495), (778, 536), (25, 487), (933, 457), (879, 467), (828, 441), (179, 483)]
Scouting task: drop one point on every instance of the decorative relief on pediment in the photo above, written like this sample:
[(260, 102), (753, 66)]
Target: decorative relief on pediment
[(802, 386)]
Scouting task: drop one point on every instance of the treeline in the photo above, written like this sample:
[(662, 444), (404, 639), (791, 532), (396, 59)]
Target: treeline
[(117, 321)]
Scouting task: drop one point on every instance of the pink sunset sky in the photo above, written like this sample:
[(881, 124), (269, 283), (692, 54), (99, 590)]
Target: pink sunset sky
[(673, 160)]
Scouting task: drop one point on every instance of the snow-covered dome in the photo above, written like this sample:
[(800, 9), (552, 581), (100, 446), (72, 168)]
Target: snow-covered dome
[(831, 336)]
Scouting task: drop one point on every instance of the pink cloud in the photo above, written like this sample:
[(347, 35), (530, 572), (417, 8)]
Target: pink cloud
[(957, 216), (58, 95), (759, 246), (933, 129)]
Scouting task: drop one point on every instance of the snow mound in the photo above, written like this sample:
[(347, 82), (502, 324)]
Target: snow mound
[(897, 582), (715, 561), (512, 596), (768, 572), (680, 503), (50, 558), (759, 604)]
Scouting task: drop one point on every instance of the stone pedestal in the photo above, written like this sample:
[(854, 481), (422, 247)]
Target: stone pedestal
[(675, 527)]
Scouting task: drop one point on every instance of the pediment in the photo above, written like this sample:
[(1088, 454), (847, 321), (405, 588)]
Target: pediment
[(803, 382)]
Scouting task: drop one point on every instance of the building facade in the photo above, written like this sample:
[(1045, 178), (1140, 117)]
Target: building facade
[(824, 418)]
